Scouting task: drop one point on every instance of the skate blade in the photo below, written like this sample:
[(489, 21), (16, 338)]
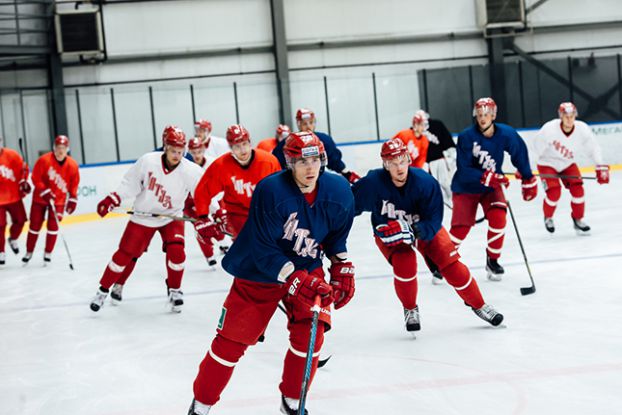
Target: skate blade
[(582, 233), (494, 277)]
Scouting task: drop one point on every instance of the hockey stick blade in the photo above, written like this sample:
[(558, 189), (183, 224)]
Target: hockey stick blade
[(528, 290), (323, 362)]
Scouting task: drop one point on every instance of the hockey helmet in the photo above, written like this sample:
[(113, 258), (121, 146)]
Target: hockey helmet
[(203, 124), (392, 149), (61, 140), (237, 134), (303, 144), (567, 108), (282, 132), (173, 136), (195, 143), (486, 104), (304, 114)]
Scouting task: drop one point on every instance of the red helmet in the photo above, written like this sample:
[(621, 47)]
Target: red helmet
[(61, 140), (304, 114), (173, 136), (421, 117), (204, 124), (303, 144), (237, 134), (392, 149), (567, 108), (282, 131), (194, 143), (485, 104)]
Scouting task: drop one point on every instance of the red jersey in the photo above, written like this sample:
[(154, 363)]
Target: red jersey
[(12, 171), (60, 178), (417, 146), (238, 182), (268, 144)]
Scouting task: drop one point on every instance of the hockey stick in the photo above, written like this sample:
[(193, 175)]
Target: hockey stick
[(308, 363), (532, 288), (480, 220), (321, 362), (156, 215), (61, 235), (562, 176)]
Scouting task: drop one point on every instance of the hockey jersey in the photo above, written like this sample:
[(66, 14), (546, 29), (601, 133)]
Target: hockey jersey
[(335, 162), (156, 189), (268, 144), (477, 153), (282, 227), (237, 182), (554, 148), (419, 202), (61, 178), (417, 146), (439, 139), (216, 147), (12, 172)]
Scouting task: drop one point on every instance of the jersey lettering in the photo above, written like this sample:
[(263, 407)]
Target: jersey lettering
[(7, 173), (303, 245), (57, 179), (562, 149), (483, 158), (388, 209), (158, 190), (241, 187)]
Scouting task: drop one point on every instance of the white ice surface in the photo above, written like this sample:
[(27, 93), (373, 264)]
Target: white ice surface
[(559, 352)]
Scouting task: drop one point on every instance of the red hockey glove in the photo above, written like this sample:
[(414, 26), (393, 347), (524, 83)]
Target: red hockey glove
[(395, 232), (602, 174), (529, 188), (108, 203), (221, 218), (24, 188), (351, 176), (494, 180), (304, 287), (72, 203), (207, 230), (342, 280), (47, 195)]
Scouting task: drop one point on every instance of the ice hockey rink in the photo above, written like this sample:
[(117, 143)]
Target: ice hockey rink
[(558, 350)]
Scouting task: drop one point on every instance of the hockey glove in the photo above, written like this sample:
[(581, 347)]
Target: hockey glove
[(395, 232), (24, 188), (351, 176), (342, 280), (221, 218), (305, 287), (529, 188), (494, 180), (72, 203), (602, 174), (47, 195), (108, 203), (207, 230)]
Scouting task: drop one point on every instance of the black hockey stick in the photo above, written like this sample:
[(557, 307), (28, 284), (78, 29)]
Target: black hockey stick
[(532, 288), (321, 362), (309, 360), (480, 220), (562, 176), (61, 235)]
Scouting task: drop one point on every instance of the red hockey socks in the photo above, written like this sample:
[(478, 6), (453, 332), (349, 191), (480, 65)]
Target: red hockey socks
[(216, 369), (115, 268), (52, 232), (295, 359), (175, 258), (457, 234), (405, 279), (550, 201), (577, 203), (459, 277), (496, 231), (207, 247), (127, 271)]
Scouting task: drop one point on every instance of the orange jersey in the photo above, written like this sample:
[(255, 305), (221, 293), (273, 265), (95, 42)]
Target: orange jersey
[(417, 146), (12, 172), (268, 144), (61, 179), (237, 182)]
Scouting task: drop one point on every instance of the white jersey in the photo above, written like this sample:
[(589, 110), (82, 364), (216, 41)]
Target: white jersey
[(555, 149), (157, 191), (216, 147)]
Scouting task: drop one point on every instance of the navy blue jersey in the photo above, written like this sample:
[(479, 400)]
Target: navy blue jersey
[(332, 153), (419, 201), (476, 153), (187, 154), (283, 227)]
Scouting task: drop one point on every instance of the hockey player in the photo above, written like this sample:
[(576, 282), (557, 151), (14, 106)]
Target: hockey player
[(236, 174), (214, 146), (479, 179), (406, 208), (414, 138), (160, 182), (197, 151), (56, 178), (268, 144), (296, 217), (305, 120), (14, 187), (556, 145), (441, 156)]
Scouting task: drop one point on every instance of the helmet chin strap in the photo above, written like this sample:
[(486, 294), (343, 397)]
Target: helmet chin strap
[(487, 128)]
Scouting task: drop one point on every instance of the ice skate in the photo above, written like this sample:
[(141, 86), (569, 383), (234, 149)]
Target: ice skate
[(437, 278), (580, 227), (47, 258), (549, 225), (13, 245), (98, 300), (2, 258), (175, 298), (494, 270), (197, 408), (411, 319), (290, 406), (211, 263), (116, 294), (27, 258), (223, 249), (489, 314)]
